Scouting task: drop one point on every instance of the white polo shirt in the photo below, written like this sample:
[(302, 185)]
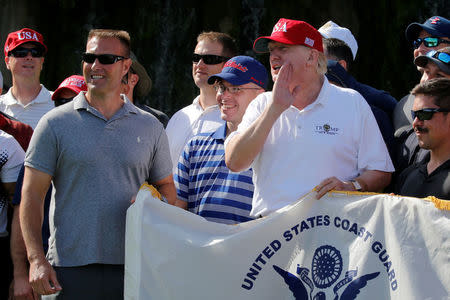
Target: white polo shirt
[(336, 135), (32, 112), (190, 121)]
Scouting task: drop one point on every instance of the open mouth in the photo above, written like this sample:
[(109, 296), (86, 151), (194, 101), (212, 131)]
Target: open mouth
[(228, 106), (94, 77)]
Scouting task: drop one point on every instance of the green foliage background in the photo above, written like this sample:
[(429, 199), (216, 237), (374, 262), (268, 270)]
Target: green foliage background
[(164, 35)]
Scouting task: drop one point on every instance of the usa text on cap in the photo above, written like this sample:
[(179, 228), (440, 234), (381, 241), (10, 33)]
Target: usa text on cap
[(291, 32), (22, 36)]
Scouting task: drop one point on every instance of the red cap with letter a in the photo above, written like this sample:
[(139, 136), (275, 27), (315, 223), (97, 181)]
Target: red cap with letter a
[(24, 35), (291, 32)]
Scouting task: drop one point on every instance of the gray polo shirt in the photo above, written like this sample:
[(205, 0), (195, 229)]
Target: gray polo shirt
[(97, 166)]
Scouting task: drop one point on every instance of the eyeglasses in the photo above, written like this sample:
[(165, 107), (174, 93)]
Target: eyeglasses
[(209, 59), (104, 59), (426, 113), (61, 101), (23, 52), (429, 42), (442, 56), (220, 88)]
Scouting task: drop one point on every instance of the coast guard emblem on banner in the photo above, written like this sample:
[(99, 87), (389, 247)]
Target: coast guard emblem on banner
[(326, 269)]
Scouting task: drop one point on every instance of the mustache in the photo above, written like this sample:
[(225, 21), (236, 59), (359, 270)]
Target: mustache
[(420, 129)]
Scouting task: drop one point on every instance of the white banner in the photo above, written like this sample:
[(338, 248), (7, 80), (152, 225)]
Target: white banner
[(343, 246)]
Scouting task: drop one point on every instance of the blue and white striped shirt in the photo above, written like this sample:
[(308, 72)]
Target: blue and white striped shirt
[(210, 188)]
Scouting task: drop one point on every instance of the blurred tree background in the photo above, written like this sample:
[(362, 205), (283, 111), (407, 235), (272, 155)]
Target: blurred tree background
[(164, 35)]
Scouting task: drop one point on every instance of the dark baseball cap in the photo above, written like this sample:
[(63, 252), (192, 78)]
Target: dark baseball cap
[(436, 26), (242, 69), (441, 58)]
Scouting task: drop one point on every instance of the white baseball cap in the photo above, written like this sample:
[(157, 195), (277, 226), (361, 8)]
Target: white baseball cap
[(333, 30)]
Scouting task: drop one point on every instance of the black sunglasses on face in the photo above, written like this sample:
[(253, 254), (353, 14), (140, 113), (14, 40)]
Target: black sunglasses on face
[(426, 113), (104, 59), (429, 42), (23, 52), (61, 101), (209, 59)]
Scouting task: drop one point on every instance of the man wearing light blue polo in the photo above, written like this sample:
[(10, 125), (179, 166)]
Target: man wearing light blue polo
[(205, 185)]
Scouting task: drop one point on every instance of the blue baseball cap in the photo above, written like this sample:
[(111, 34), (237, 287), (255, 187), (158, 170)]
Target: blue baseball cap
[(242, 69), (436, 26), (441, 58)]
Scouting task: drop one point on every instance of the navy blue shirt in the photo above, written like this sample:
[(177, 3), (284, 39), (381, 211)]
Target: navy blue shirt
[(381, 103)]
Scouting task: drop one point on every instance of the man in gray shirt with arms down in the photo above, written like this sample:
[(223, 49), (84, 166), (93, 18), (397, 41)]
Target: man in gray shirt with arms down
[(97, 150)]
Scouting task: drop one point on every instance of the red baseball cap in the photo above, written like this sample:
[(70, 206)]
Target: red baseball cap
[(74, 83), (24, 35), (291, 32)]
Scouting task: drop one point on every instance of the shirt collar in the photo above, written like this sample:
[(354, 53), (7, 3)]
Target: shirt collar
[(423, 167), (322, 99), (196, 104), (221, 132), (80, 102), (40, 98)]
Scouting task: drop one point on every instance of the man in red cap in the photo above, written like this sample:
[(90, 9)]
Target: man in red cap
[(68, 89), (306, 132), (27, 100)]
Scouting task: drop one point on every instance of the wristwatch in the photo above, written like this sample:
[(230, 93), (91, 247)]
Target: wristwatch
[(356, 185)]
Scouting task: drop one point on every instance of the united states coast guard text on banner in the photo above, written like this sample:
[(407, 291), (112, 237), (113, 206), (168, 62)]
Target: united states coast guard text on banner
[(344, 246)]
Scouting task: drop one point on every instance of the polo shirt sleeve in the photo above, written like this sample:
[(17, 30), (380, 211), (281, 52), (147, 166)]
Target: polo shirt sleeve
[(12, 157), (42, 153), (372, 150), (161, 164)]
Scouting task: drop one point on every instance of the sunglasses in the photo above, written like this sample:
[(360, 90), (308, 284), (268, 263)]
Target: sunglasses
[(209, 59), (104, 59), (220, 88), (61, 101), (426, 113), (429, 42), (23, 52), (442, 56)]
